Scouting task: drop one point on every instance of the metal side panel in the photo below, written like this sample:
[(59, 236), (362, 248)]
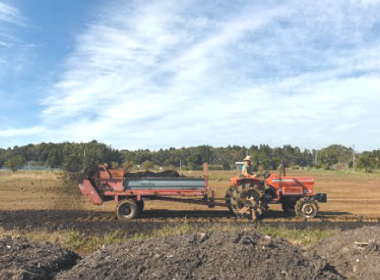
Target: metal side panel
[(87, 189), (165, 184), (292, 191)]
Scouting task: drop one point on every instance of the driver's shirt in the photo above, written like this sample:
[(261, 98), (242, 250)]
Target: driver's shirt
[(248, 168)]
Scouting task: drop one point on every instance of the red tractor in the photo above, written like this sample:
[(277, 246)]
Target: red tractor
[(249, 197)]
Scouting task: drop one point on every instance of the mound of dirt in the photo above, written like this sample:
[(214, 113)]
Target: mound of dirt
[(354, 253), (20, 259), (202, 256), (150, 174)]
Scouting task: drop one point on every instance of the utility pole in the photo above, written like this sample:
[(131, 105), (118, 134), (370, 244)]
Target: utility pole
[(316, 157), (180, 159), (84, 158), (353, 158)]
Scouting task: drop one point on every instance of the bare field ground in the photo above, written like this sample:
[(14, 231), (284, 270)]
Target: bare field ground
[(39, 200), (35, 201), (38, 207)]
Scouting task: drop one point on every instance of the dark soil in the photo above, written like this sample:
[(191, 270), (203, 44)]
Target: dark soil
[(150, 174), (355, 253), (237, 254), (202, 256), (20, 259), (100, 222)]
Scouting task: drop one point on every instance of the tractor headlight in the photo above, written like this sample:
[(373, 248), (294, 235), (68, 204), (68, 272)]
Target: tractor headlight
[(307, 191)]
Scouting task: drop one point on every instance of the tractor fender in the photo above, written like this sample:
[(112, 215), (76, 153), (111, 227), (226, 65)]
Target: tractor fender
[(238, 181), (88, 190)]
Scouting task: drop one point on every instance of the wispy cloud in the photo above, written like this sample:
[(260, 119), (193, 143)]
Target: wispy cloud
[(158, 74), (11, 47), (22, 132), (9, 14)]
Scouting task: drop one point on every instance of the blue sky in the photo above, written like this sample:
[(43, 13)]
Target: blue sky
[(152, 74)]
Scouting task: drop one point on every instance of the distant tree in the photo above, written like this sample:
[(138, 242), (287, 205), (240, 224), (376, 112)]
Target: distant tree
[(147, 164), (72, 160), (205, 153), (54, 159), (376, 158), (367, 161), (194, 161), (14, 162), (226, 166), (128, 165), (140, 156), (32, 163), (128, 155), (114, 165), (76, 156)]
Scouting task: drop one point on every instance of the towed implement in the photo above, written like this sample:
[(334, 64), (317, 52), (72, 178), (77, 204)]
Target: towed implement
[(247, 197)]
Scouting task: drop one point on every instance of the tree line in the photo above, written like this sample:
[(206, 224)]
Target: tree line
[(76, 156)]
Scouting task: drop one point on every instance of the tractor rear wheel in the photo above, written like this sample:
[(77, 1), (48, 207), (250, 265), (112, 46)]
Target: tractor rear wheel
[(228, 197), (306, 208), (127, 210), (234, 200), (247, 195)]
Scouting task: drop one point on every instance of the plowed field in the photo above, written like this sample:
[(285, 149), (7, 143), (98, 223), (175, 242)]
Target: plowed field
[(351, 197), (38, 204)]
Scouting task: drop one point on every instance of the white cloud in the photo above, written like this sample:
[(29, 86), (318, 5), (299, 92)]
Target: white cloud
[(9, 14), (22, 132), (12, 48), (158, 74)]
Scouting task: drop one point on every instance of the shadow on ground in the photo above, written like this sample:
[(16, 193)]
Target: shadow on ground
[(150, 220)]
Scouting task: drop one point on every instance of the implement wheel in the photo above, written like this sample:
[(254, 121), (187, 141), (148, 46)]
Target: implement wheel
[(306, 208), (127, 210)]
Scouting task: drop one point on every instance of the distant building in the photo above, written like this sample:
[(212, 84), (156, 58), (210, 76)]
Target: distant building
[(239, 165)]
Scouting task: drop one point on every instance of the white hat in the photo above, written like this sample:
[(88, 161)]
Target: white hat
[(248, 158)]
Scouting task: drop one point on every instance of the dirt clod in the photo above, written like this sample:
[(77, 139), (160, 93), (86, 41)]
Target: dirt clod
[(217, 256), (20, 259), (355, 253), (150, 174)]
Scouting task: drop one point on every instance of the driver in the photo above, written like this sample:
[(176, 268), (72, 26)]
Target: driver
[(247, 170)]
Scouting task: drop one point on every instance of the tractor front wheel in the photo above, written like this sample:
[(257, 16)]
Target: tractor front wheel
[(306, 208), (127, 210)]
